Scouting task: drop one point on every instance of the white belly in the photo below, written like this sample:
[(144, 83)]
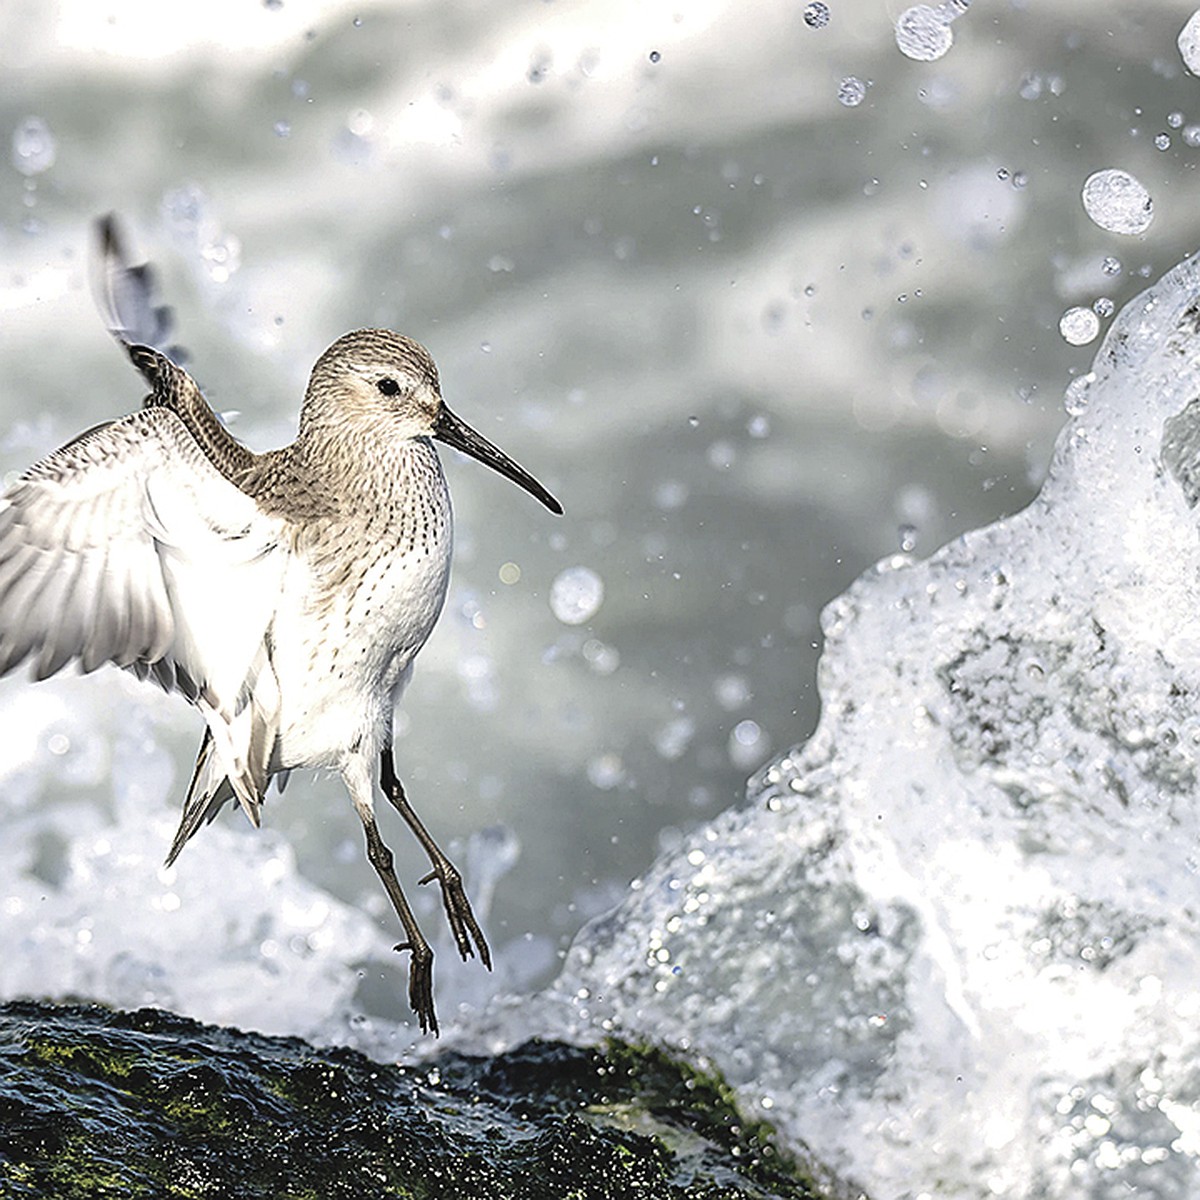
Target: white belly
[(343, 656)]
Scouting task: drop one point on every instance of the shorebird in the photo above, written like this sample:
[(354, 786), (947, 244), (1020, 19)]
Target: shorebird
[(284, 594)]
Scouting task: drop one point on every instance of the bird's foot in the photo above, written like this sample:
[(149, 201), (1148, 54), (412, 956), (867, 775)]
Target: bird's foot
[(467, 934), (420, 984)]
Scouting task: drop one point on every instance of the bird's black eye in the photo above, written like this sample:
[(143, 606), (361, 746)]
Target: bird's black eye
[(388, 386)]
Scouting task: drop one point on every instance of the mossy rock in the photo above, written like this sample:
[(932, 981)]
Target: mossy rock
[(96, 1104)]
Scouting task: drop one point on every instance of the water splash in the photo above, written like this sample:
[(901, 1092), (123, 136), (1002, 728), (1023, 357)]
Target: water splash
[(962, 917), (1189, 43)]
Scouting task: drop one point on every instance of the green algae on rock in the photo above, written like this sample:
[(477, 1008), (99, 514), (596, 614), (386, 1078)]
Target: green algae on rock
[(102, 1104)]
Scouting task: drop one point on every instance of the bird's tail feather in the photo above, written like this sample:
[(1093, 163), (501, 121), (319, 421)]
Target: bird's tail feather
[(234, 759), (208, 793)]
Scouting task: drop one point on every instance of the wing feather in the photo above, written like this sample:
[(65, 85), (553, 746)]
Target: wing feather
[(129, 546)]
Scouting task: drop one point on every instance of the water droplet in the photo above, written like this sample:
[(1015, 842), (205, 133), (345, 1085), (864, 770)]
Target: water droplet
[(852, 91), (1117, 202), (748, 744), (816, 14), (672, 740), (1002, 174), (33, 146), (670, 495), (732, 692), (655, 56), (1191, 135), (602, 658), (908, 538), (1189, 43), (576, 595), (923, 33), (1079, 326), (693, 421), (1175, 119), (605, 771), (1162, 142), (1104, 307), (1110, 265)]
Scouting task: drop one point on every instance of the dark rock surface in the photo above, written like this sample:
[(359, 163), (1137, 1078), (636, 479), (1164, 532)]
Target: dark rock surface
[(98, 1104)]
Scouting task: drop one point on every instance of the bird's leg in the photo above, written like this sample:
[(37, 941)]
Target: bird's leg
[(458, 908), (420, 969)]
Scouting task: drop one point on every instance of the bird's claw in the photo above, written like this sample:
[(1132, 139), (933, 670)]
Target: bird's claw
[(420, 985), (468, 937)]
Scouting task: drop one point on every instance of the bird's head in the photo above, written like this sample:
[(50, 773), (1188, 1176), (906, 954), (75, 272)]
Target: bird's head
[(385, 382)]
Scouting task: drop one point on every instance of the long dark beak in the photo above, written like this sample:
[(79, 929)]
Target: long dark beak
[(457, 433)]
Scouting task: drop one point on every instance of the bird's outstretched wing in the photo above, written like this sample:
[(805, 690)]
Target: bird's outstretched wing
[(129, 546)]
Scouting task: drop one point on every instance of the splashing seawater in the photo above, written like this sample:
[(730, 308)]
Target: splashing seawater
[(953, 939)]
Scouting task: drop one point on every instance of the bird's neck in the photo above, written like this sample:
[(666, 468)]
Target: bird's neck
[(175, 389), (362, 471)]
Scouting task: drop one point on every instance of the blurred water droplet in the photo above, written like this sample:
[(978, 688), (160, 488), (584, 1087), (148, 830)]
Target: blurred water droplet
[(1175, 119), (1117, 202), (33, 146), (732, 692), (602, 658), (670, 494), (748, 744), (722, 455), (576, 594), (283, 129), (672, 740), (605, 771)]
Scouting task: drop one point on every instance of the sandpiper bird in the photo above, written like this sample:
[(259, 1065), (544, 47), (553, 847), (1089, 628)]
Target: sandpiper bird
[(284, 594)]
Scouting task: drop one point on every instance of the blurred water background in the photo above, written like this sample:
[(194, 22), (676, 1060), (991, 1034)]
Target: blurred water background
[(759, 296)]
